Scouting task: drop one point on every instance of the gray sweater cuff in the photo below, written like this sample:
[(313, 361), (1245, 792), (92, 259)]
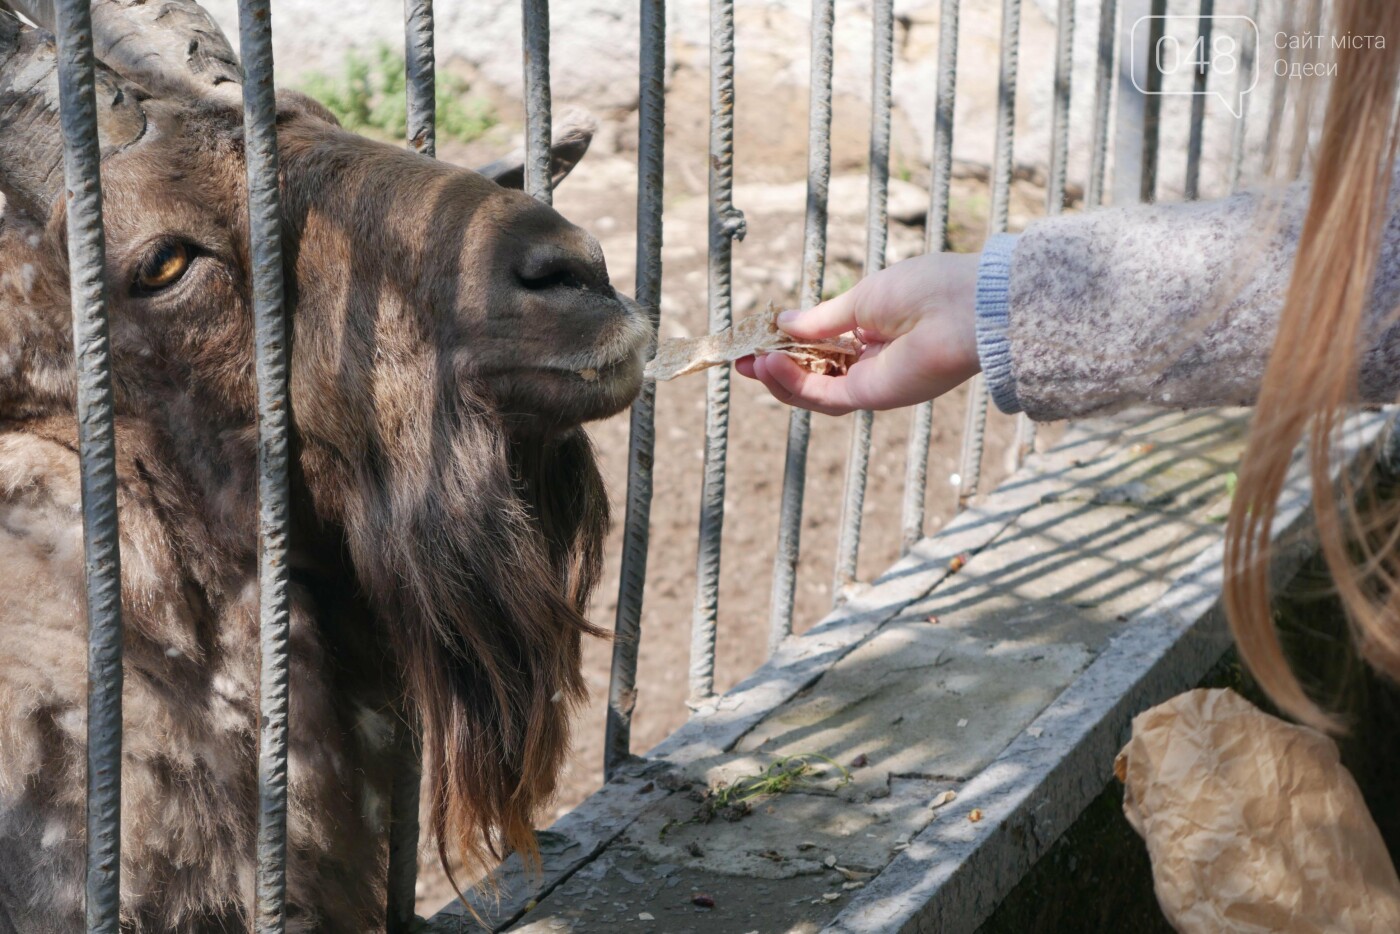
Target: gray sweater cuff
[(993, 319)]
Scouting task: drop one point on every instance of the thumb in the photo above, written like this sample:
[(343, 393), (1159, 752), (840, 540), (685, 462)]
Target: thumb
[(827, 319)]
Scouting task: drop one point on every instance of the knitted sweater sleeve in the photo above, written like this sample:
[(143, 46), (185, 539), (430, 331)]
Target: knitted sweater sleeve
[(1174, 305)]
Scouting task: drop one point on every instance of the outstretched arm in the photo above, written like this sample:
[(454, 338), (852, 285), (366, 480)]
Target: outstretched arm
[(1174, 305)]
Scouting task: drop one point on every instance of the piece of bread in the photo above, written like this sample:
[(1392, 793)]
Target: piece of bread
[(756, 334)]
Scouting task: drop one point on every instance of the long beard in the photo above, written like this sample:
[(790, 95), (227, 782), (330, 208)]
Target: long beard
[(480, 553)]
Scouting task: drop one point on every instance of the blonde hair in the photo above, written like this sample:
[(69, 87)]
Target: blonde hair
[(1311, 377)]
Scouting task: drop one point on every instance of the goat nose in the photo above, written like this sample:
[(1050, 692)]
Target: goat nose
[(551, 266)]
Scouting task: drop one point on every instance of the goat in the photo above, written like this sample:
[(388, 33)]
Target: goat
[(448, 337)]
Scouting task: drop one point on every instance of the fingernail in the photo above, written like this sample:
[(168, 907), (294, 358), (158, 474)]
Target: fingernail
[(788, 317)]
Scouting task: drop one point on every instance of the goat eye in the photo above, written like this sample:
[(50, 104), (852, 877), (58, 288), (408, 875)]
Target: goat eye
[(164, 267)]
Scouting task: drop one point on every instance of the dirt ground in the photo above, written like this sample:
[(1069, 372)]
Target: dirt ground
[(601, 197)]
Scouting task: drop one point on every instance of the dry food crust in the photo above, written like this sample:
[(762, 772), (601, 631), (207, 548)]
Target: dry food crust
[(756, 334)]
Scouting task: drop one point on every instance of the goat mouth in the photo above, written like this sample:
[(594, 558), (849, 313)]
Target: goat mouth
[(581, 379), (608, 381), (553, 395), (605, 372), (590, 372)]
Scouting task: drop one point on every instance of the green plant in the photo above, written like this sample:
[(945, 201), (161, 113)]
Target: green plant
[(368, 96), (781, 776), (734, 802), (1232, 481)]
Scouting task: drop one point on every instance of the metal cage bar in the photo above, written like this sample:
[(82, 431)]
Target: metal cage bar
[(1248, 56), (270, 324), (402, 879), (935, 239), (813, 272), (534, 21), (1130, 172), (1198, 103), (420, 86), (1152, 106), (975, 427), (877, 223), (1059, 167), (404, 795), (97, 456), (1306, 108), (1103, 101), (1278, 96), (726, 224), (1059, 133), (852, 502), (622, 685)]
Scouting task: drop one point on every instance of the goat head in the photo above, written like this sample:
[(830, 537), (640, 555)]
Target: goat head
[(448, 335)]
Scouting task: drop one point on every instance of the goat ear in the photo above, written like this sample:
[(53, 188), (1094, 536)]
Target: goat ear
[(571, 139)]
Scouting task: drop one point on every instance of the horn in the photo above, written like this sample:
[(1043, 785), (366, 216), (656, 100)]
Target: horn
[(172, 48), (31, 141)]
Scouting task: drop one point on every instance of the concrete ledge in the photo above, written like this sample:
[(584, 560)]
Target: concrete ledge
[(1090, 590), (954, 873)]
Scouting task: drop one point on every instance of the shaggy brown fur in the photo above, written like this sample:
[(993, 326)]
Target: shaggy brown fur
[(449, 522)]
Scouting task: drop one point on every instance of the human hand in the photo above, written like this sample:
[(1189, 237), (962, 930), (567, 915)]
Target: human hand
[(918, 321)]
